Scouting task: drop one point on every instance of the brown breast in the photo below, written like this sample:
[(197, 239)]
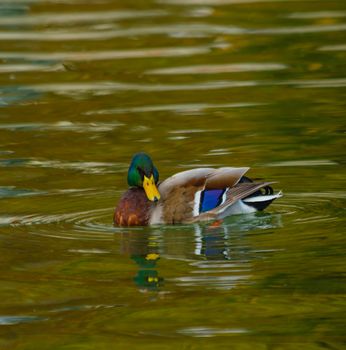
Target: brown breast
[(133, 209)]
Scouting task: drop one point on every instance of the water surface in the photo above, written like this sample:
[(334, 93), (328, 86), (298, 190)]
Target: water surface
[(84, 85)]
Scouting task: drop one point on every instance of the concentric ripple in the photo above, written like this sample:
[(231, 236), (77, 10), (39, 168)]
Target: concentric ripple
[(97, 224), (313, 207), (85, 225)]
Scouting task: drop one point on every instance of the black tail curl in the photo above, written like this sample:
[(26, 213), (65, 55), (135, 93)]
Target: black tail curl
[(264, 191)]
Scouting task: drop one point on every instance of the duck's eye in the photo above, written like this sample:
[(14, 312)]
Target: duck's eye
[(141, 172)]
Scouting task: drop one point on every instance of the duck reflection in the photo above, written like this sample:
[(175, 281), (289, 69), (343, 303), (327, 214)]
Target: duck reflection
[(144, 251), (221, 240), (199, 245), (211, 241)]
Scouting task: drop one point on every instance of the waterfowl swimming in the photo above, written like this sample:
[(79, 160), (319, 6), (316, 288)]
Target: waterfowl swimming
[(187, 197)]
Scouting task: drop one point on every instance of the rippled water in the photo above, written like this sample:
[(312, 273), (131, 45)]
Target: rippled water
[(86, 83)]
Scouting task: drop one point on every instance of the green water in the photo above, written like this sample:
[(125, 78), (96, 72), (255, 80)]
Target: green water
[(84, 84)]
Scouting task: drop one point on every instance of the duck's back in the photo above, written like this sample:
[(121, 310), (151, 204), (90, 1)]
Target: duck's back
[(133, 209), (180, 202), (209, 194)]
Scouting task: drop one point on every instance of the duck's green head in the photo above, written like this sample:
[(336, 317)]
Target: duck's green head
[(142, 173)]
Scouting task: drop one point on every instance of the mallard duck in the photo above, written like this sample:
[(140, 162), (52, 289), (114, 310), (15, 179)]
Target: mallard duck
[(187, 197)]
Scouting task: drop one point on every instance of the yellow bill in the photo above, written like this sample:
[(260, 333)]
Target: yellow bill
[(150, 189)]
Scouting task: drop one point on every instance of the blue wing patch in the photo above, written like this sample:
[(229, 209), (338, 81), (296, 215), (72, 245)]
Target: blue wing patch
[(210, 199)]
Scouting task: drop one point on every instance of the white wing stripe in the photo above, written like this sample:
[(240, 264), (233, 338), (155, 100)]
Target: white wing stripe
[(224, 196), (262, 198), (197, 202)]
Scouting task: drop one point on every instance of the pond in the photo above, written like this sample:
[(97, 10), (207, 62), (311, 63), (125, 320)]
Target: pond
[(85, 84)]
